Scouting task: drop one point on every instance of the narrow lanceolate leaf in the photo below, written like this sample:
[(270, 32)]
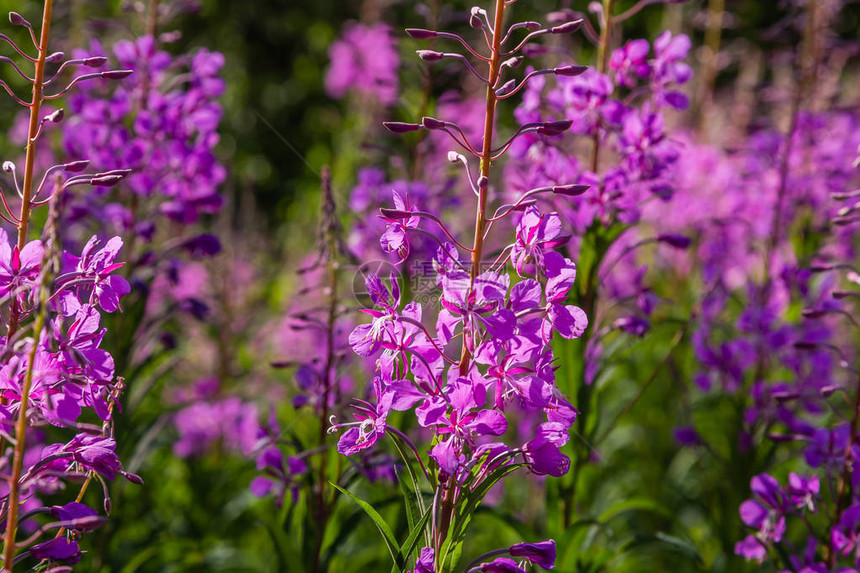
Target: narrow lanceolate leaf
[(413, 475), (676, 543), (408, 499), (643, 504), (412, 541), (381, 525)]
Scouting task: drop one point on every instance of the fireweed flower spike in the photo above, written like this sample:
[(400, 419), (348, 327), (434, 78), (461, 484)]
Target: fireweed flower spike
[(491, 352), (53, 368)]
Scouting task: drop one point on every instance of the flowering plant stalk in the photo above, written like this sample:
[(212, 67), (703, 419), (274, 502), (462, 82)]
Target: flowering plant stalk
[(53, 369), (491, 353)]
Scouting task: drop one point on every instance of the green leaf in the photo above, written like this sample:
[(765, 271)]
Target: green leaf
[(288, 555), (381, 525), (412, 541), (635, 504), (408, 499), (675, 543)]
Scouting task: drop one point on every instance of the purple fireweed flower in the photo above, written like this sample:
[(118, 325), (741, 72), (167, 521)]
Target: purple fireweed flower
[(668, 68), (161, 122), (541, 553), (79, 349), (630, 62), (202, 424), (424, 564), (501, 565), (364, 60), (72, 510), (544, 458), (370, 427), (395, 239), (568, 320), (447, 454), (751, 548), (95, 453), (279, 475), (106, 288), (366, 339), (476, 305), (803, 491), (18, 269), (845, 535), (766, 514), (535, 234), (57, 549)]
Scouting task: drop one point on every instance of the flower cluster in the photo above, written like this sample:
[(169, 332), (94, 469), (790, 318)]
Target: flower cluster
[(162, 124), (364, 61), (622, 111), (53, 368), (490, 353)]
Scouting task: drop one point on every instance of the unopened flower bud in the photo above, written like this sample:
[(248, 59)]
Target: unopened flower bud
[(555, 127), (394, 213), (534, 50), (475, 20), (95, 61), (18, 20), (570, 190), (56, 117), (116, 74), (76, 166), (483, 182), (8, 166), (432, 123), (677, 241), (133, 478), (513, 62), (532, 26), (506, 88), (429, 55), (569, 71), (567, 27), (54, 58), (840, 294), (455, 157), (399, 127), (420, 33)]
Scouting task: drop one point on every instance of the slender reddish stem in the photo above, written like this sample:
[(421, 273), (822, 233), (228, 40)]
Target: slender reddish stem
[(486, 161)]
